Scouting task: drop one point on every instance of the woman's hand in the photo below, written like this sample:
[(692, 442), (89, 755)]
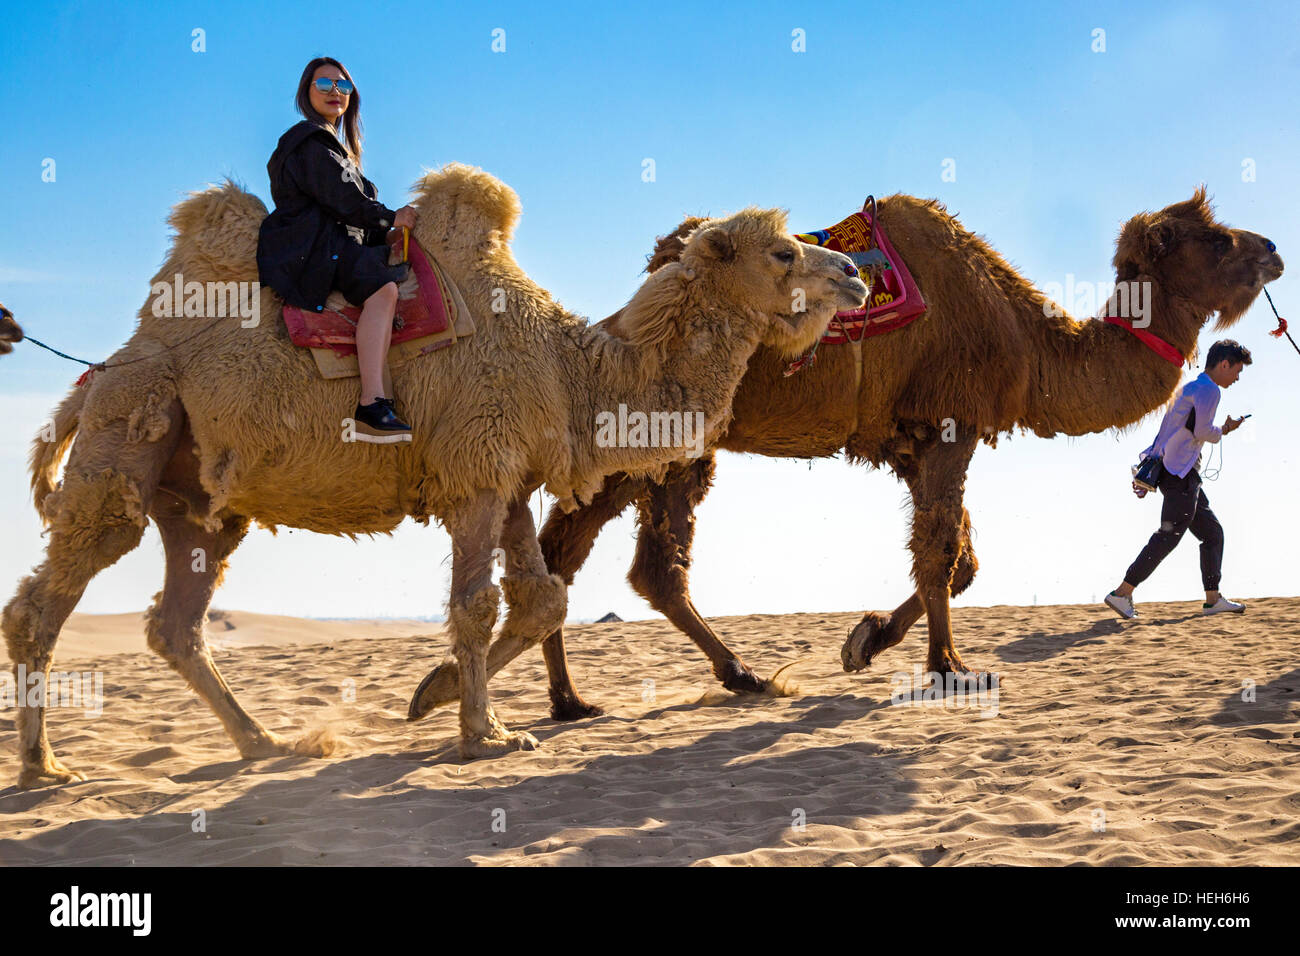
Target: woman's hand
[(1232, 424), (405, 218)]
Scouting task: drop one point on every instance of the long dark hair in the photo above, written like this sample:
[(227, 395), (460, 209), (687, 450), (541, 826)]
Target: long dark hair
[(351, 118)]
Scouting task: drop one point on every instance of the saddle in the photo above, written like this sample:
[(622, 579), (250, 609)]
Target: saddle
[(431, 315), (894, 300)]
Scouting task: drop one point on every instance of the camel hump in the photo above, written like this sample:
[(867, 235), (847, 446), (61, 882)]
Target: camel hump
[(465, 208), (216, 231)]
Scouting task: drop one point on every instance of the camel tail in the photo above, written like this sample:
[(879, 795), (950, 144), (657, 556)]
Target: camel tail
[(51, 445)]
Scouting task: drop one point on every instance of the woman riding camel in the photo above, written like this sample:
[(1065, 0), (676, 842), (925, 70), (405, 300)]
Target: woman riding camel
[(329, 231)]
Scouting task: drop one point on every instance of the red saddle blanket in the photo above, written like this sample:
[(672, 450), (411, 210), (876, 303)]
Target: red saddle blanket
[(423, 309), (894, 300)]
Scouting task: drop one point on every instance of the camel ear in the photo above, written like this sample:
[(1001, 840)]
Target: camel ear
[(715, 243), (1142, 243), (669, 248), (1161, 239)]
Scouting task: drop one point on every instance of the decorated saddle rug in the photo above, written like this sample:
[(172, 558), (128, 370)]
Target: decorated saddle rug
[(894, 300), (430, 315)]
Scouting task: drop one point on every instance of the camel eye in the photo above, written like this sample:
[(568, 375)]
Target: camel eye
[(1222, 244), (785, 255)]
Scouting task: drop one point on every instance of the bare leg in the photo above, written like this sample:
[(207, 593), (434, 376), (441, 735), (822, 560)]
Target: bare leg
[(374, 335), (96, 516), (566, 541)]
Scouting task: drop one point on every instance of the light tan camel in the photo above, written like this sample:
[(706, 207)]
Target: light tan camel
[(9, 331), (208, 432), (988, 357)]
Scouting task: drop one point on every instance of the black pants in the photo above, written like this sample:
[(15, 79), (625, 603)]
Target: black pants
[(1185, 506)]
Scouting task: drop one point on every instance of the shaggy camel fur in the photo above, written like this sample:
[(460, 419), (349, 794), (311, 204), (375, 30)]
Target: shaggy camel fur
[(208, 432), (985, 359), (9, 331)]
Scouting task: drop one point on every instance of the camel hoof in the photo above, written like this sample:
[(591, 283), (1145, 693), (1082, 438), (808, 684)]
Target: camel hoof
[(739, 679), (864, 641), (52, 775), (509, 742), (573, 708), (440, 686)]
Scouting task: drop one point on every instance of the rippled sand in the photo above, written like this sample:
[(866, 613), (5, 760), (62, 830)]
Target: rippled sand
[(1112, 744)]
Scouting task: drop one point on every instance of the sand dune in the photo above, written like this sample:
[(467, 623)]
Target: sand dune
[(1140, 728), (96, 635)]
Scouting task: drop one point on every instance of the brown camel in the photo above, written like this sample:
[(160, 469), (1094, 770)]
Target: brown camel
[(211, 427), (990, 355), (10, 333)]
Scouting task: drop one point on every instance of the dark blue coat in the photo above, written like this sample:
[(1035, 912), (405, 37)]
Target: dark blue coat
[(321, 202)]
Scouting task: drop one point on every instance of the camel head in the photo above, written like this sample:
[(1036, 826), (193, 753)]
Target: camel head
[(9, 331), (1195, 257), (750, 258)]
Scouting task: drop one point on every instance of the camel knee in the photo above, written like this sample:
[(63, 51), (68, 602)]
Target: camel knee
[(94, 520), (661, 587), (936, 545), (656, 573), (20, 623), (32, 619), (967, 563), (964, 574), (171, 633), (542, 601), (471, 621)]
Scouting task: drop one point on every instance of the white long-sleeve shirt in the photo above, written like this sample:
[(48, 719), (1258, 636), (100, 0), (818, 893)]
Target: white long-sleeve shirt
[(1178, 446)]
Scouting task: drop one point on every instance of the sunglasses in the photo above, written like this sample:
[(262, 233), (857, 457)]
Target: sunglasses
[(344, 87)]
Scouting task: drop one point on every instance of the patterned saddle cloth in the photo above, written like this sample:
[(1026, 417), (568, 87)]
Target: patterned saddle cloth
[(430, 315), (894, 300)]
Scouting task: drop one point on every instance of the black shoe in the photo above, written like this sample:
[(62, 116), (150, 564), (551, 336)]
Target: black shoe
[(378, 424)]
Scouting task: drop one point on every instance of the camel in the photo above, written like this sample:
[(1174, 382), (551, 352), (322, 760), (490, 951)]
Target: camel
[(10, 332), (205, 427), (990, 355)]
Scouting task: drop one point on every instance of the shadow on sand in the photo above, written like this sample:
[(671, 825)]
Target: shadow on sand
[(677, 802)]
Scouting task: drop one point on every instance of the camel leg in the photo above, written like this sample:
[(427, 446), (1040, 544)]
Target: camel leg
[(475, 529), (96, 516), (661, 569), (537, 602), (196, 562), (566, 541), (937, 484), (878, 631)]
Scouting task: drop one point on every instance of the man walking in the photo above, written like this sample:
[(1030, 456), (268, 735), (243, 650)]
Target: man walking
[(1187, 425)]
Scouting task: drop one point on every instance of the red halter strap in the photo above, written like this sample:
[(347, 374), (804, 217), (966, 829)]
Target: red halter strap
[(1153, 342)]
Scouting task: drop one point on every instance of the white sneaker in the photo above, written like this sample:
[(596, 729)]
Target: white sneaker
[(1222, 606), (1123, 606)]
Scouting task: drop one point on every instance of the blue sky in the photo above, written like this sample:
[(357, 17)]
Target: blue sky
[(1054, 145)]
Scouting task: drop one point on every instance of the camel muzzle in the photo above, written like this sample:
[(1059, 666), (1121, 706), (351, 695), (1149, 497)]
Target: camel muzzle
[(853, 292)]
